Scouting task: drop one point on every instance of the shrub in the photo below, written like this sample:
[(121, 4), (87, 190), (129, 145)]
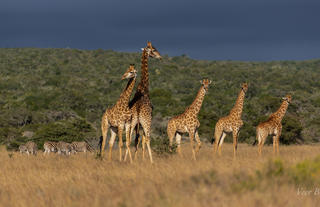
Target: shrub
[(161, 146)]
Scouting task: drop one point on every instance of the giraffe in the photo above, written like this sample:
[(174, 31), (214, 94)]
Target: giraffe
[(140, 105), (119, 116), (188, 122), (231, 123), (272, 126)]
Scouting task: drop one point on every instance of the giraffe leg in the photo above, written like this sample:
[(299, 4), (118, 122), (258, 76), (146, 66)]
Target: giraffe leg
[(217, 136), (235, 133), (120, 132), (111, 141), (104, 130), (261, 138), (146, 125), (126, 153), (260, 144), (191, 135), (128, 142), (132, 127), (137, 140), (274, 144), (171, 133), (143, 143), (136, 144), (258, 139), (178, 140), (198, 141), (277, 145), (147, 141), (221, 142), (278, 139)]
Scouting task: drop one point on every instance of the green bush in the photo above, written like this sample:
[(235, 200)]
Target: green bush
[(162, 147), (40, 87), (303, 174), (306, 173)]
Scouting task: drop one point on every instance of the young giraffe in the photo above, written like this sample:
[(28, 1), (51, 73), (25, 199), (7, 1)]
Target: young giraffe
[(140, 105), (188, 122), (272, 126), (119, 116), (231, 123)]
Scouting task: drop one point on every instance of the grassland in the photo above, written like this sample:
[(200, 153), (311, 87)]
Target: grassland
[(82, 180)]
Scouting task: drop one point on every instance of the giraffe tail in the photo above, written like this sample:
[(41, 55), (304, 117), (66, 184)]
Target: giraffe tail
[(100, 142), (217, 135), (212, 140), (255, 142)]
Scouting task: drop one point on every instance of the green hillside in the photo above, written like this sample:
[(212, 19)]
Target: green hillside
[(62, 93)]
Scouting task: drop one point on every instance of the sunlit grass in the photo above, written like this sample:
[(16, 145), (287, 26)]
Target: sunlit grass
[(82, 180)]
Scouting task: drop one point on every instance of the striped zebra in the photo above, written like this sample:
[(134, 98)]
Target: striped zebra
[(65, 148), (22, 149), (50, 147), (29, 148), (32, 148), (81, 147)]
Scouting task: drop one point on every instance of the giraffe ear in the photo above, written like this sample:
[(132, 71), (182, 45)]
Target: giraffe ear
[(142, 49), (210, 81), (200, 81)]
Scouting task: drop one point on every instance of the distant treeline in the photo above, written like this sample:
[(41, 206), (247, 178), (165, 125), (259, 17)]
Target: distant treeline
[(61, 94)]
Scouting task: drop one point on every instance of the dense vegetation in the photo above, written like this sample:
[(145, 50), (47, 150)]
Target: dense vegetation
[(62, 93)]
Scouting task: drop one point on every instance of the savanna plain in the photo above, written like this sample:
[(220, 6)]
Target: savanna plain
[(290, 179)]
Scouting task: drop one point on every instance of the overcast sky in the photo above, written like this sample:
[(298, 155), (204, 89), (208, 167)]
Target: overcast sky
[(201, 29)]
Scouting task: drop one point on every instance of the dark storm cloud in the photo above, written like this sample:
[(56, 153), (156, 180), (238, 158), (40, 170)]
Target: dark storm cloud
[(230, 29)]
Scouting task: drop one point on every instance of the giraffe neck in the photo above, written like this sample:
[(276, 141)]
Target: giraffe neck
[(237, 109), (126, 93), (143, 86), (279, 114), (195, 107)]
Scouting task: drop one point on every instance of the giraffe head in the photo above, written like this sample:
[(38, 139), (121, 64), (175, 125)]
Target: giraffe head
[(244, 87), (205, 83), (130, 73), (287, 98), (152, 51)]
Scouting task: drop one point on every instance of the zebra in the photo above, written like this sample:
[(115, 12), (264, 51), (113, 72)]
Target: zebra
[(81, 147), (64, 147), (32, 147), (22, 149), (29, 148), (50, 147)]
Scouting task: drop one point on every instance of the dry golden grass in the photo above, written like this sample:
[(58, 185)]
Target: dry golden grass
[(82, 180)]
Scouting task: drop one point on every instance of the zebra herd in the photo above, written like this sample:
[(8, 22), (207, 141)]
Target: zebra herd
[(56, 147)]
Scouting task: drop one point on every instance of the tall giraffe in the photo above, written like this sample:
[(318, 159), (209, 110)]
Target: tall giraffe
[(272, 126), (140, 105), (188, 122), (231, 123), (119, 116)]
